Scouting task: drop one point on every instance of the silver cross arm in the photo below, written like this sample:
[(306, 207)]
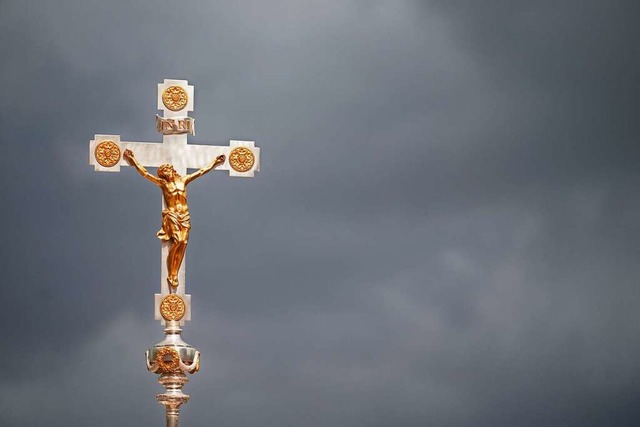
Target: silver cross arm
[(181, 156)]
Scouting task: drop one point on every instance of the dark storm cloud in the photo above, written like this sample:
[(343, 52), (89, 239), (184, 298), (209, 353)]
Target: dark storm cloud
[(444, 230)]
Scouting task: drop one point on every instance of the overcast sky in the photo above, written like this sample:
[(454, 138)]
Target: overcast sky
[(445, 230)]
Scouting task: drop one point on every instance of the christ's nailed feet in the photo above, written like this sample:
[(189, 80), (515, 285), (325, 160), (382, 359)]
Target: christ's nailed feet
[(173, 282)]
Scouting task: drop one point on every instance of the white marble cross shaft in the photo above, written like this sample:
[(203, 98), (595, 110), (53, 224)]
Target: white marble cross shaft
[(173, 150)]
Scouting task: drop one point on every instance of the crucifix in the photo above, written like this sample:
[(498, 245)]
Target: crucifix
[(173, 157)]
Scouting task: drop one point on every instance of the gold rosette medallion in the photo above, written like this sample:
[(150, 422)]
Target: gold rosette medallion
[(175, 98), (107, 154), (241, 159), (172, 307), (168, 359)]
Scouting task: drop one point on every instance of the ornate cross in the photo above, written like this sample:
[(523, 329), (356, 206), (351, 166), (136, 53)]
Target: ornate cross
[(175, 99), (173, 157)]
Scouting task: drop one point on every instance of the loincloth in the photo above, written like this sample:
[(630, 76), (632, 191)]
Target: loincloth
[(173, 223)]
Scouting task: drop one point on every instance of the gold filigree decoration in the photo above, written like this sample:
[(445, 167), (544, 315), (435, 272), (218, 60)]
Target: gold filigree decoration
[(168, 359), (241, 159), (175, 98), (172, 307), (107, 153)]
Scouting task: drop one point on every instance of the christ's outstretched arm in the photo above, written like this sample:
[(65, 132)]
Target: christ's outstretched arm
[(130, 158), (218, 161)]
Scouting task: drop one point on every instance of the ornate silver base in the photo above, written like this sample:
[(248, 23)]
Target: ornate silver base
[(172, 358)]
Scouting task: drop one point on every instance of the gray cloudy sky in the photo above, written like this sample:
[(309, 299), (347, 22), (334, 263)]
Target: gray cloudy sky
[(445, 231)]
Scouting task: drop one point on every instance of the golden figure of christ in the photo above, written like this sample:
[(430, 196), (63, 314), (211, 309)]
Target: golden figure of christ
[(176, 222)]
